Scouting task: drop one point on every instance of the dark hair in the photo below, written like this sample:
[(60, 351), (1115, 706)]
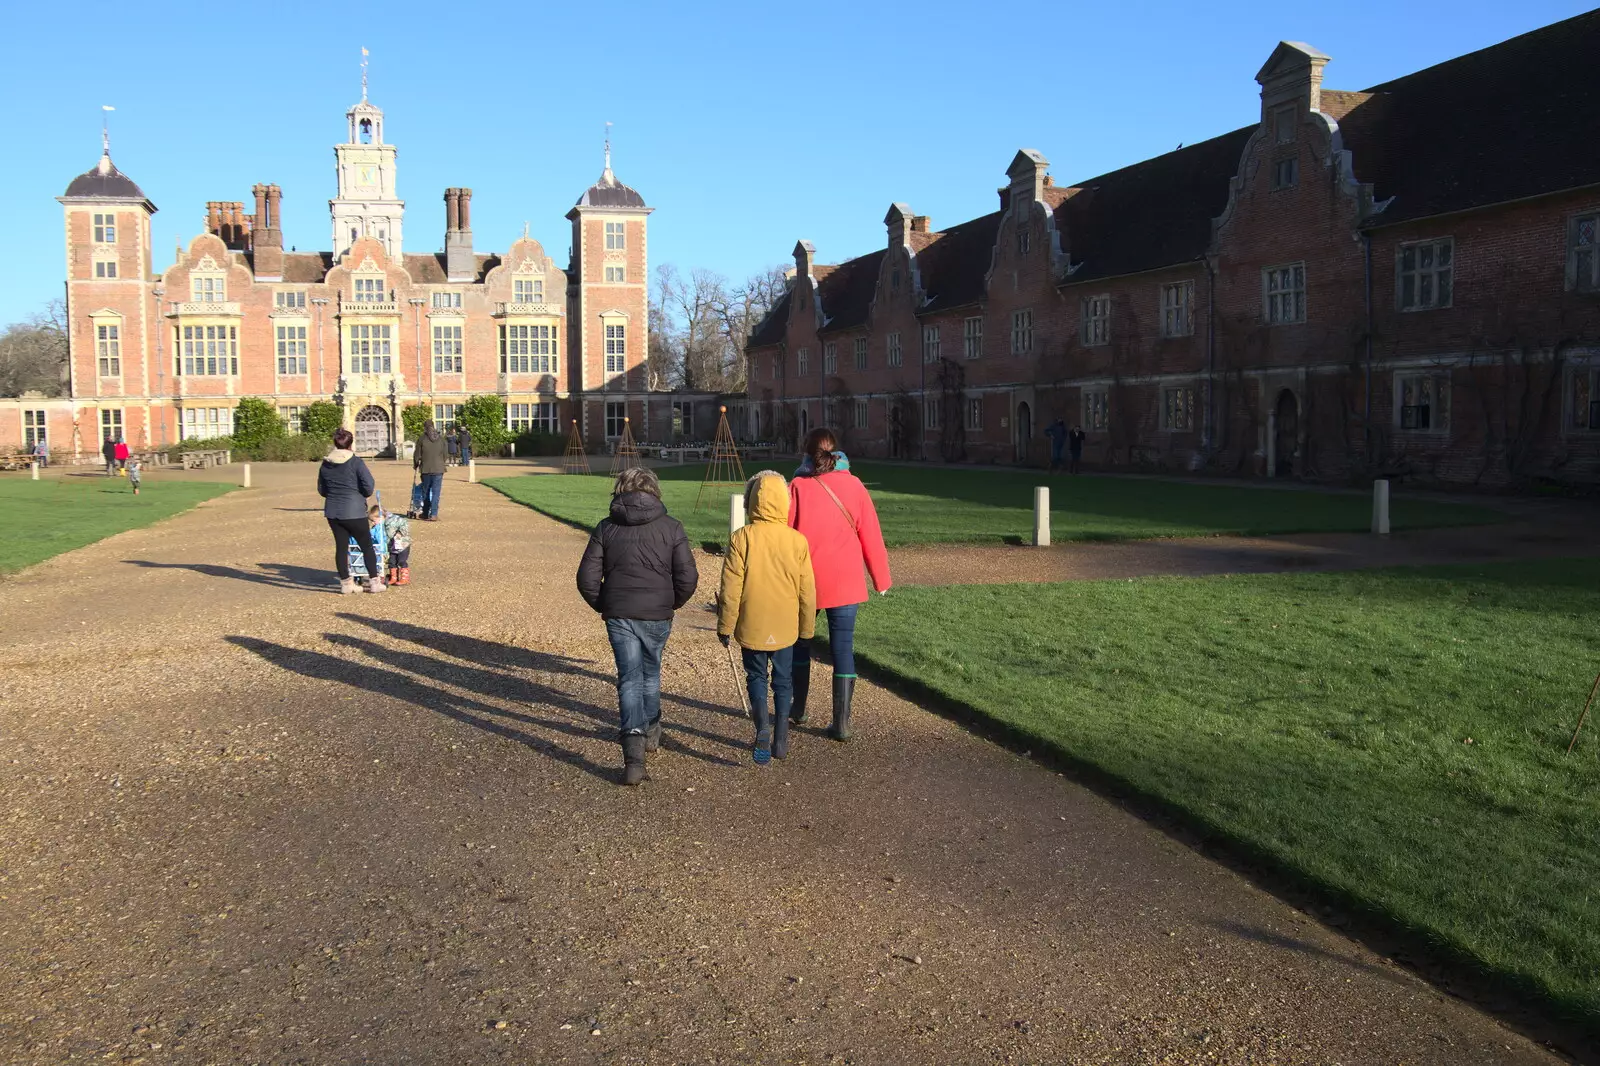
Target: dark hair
[(819, 448), (342, 438)]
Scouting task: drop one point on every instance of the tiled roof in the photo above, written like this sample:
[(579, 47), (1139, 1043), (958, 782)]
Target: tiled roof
[(306, 268), (1500, 124), (952, 269), (1152, 214), (609, 192), (845, 295), (770, 330)]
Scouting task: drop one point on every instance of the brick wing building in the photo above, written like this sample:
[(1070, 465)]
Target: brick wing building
[(1403, 280), (158, 357)]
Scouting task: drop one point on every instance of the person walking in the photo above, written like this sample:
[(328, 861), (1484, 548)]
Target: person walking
[(1075, 448), (767, 602), (1057, 433), (464, 444), (121, 452), (108, 449), (835, 512), (636, 571), (344, 483), (41, 453), (429, 460)]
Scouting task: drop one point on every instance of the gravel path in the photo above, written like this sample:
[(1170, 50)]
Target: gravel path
[(246, 820)]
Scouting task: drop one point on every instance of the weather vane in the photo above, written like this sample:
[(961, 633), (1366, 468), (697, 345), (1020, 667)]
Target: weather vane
[(608, 146), (105, 127), (363, 75)]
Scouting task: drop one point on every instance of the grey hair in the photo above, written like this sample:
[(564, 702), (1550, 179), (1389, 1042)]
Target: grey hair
[(637, 479)]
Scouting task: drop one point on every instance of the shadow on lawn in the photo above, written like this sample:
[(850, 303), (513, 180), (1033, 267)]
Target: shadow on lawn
[(277, 575)]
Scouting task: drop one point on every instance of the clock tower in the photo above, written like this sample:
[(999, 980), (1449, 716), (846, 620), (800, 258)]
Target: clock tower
[(366, 205)]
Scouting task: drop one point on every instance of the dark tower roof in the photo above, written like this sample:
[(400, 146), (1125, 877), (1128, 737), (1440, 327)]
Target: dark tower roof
[(608, 191), (105, 181)]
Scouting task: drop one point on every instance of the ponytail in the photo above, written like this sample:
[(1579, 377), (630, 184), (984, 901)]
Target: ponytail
[(819, 448)]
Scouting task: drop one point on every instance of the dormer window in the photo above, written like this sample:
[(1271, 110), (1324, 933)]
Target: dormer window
[(369, 290), (447, 300), (1283, 125), (527, 290), (1285, 173)]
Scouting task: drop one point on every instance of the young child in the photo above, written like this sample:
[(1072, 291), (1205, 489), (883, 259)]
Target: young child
[(397, 531), (767, 602), (134, 468)]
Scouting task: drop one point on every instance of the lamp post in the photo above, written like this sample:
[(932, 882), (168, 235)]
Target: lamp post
[(394, 418), (320, 302), (161, 363)]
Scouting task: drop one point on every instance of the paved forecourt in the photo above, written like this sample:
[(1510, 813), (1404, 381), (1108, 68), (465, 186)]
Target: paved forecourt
[(248, 821)]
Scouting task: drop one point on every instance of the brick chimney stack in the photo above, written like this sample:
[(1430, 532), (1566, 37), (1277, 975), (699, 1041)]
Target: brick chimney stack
[(267, 233), (460, 264), (898, 223)]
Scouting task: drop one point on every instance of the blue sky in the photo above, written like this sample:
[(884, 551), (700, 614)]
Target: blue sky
[(747, 127)]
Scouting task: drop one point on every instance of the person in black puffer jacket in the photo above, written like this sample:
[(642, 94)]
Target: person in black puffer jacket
[(636, 571), (344, 483)]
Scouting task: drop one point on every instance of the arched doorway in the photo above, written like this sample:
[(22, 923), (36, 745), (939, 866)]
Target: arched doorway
[(372, 430), (1024, 430), (1286, 435)]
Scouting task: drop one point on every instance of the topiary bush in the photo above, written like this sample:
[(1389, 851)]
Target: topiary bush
[(321, 419), (255, 421), (485, 419), (535, 442), (413, 417)]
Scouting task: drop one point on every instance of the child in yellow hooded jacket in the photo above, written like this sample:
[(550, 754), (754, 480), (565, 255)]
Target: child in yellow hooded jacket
[(767, 602)]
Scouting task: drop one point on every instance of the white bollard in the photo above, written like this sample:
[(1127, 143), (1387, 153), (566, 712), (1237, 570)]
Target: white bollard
[(472, 471), (36, 470), (228, 456), (513, 449), (735, 513), (1380, 507), (1041, 517), (247, 475)]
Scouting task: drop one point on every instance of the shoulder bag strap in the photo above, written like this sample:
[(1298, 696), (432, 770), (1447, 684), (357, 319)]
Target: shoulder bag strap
[(848, 517)]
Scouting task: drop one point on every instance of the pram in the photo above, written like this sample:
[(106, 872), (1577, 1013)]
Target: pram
[(380, 548), (416, 497)]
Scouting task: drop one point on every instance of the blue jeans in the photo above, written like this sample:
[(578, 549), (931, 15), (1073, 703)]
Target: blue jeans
[(756, 665), (841, 641), (637, 646), (431, 483)]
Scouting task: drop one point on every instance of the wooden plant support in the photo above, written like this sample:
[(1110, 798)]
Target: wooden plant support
[(627, 456), (576, 460), (726, 469), (1592, 690)]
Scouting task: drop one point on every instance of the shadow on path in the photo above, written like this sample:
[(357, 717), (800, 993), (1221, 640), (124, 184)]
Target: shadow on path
[(278, 575), (322, 667)]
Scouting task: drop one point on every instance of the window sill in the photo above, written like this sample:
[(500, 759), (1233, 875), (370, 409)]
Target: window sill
[(1434, 307)]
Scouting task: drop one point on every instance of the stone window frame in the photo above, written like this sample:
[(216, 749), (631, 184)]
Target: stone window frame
[(208, 286), (289, 300), (1285, 173), (445, 415), (616, 418), (930, 413), (861, 415), (374, 344), (894, 355), (1439, 274), (206, 349), (444, 300), (292, 414), (35, 428), (802, 361), (103, 227), (616, 236), (1095, 315), (106, 329), (972, 414), (972, 337), (526, 348), (1177, 408), (527, 290), (614, 343), (1176, 302), (111, 424), (105, 269), (369, 289), (1283, 294), (1583, 251), (206, 422), (616, 274), (830, 359), (1096, 404), (932, 343), (861, 353), (519, 417), (1022, 331), (449, 347), (291, 349), (1430, 383), (1283, 121)]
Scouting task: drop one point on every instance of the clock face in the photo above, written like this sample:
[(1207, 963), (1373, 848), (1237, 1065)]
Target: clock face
[(367, 175)]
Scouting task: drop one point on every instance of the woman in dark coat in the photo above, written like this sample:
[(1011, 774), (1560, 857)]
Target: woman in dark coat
[(344, 483)]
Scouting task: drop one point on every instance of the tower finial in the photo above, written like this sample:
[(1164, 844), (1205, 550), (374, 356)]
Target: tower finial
[(608, 177), (105, 128), (363, 75)]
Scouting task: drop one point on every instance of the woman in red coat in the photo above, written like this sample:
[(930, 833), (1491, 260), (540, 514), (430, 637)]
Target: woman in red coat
[(834, 511)]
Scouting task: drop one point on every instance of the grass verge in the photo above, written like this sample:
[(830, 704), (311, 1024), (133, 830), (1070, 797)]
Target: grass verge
[(1391, 740), (923, 505), (41, 519)]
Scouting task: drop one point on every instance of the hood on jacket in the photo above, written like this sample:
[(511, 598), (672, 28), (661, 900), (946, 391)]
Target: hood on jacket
[(636, 508), (339, 456), (766, 497), (430, 431)]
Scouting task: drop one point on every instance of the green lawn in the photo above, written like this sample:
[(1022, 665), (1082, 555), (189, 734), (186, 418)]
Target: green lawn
[(922, 505), (39, 519), (1322, 723)]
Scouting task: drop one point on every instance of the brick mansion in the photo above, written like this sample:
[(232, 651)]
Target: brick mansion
[(1402, 281), (160, 357)]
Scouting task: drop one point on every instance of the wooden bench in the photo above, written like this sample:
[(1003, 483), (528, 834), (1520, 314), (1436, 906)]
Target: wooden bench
[(200, 460), (15, 462)]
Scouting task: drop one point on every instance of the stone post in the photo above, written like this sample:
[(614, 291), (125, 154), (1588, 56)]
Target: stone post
[(1380, 507), (36, 470), (472, 471), (247, 475), (1041, 517), (735, 513)]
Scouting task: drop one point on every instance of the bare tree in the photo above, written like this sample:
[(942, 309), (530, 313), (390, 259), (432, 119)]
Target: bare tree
[(662, 365), (33, 353)]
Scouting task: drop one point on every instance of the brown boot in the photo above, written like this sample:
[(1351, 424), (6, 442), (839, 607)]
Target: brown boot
[(633, 759)]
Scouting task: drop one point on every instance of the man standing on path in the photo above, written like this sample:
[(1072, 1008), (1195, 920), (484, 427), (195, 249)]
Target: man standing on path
[(429, 462), (1057, 432), (1075, 447), (108, 449), (636, 571), (465, 436)]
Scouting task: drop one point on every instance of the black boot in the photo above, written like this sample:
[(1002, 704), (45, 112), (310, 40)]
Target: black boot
[(632, 758), (780, 736), (844, 687), (802, 689), (652, 737)]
